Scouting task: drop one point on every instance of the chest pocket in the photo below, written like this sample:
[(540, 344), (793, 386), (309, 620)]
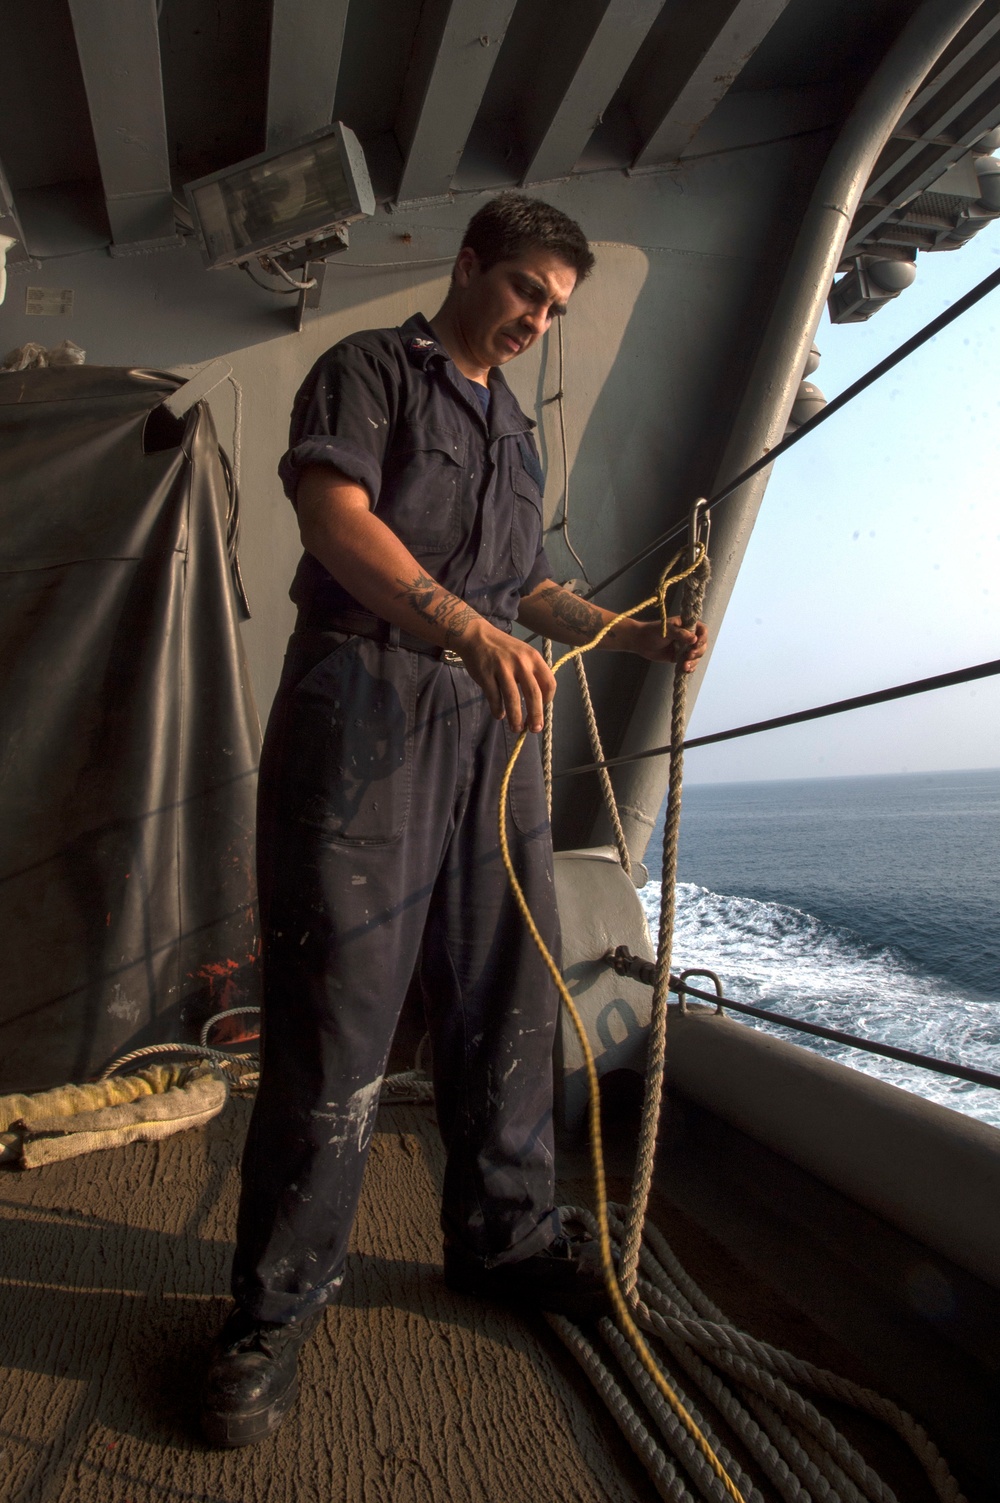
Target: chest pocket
[(526, 520), (425, 494)]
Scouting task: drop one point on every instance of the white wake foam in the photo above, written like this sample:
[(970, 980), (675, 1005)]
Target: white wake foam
[(791, 962)]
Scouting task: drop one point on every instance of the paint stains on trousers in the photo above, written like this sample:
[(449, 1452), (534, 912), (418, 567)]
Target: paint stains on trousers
[(378, 855)]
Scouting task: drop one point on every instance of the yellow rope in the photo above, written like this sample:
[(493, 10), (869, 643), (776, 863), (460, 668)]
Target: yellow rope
[(622, 1312)]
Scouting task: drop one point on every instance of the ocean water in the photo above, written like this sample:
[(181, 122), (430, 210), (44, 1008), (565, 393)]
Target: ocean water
[(867, 904)]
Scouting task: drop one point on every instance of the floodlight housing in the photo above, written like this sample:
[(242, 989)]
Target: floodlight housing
[(280, 201), (870, 283)]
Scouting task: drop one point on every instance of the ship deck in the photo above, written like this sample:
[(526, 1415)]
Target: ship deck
[(113, 1281)]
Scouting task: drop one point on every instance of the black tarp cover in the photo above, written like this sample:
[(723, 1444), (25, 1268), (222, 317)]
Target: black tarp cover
[(128, 734)]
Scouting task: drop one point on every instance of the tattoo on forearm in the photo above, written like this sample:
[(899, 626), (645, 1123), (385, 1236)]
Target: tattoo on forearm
[(572, 612), (436, 606)]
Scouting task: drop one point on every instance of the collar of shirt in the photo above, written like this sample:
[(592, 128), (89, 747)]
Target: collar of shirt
[(423, 350)]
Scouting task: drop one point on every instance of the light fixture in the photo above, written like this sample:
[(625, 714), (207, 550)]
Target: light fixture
[(11, 234), (870, 283), (291, 205), (809, 400), (7, 242)]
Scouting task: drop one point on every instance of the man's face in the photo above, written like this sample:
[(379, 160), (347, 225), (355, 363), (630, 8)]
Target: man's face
[(503, 311)]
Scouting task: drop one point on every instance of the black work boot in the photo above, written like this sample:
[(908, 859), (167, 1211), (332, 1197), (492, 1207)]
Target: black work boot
[(566, 1278), (251, 1381)]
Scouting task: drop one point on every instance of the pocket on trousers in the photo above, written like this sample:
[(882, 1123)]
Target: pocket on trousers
[(349, 738), (526, 801)]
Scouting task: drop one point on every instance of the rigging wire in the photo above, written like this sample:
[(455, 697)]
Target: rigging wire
[(391, 265), (837, 707), (281, 291), (560, 397), (277, 268), (969, 300)]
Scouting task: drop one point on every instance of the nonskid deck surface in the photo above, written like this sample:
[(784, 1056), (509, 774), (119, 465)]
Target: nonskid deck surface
[(112, 1282)]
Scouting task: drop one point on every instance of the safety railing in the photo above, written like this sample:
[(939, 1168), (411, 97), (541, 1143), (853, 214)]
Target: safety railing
[(626, 964)]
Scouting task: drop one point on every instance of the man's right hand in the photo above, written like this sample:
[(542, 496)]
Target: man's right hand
[(507, 670), (337, 527)]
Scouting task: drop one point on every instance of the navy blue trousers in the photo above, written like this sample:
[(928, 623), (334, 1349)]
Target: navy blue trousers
[(378, 853)]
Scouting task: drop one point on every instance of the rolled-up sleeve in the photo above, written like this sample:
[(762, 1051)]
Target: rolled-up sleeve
[(343, 417)]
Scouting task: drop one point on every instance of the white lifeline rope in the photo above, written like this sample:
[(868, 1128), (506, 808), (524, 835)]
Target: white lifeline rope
[(408, 1087), (195, 1051)]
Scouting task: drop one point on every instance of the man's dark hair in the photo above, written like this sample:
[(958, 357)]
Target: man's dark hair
[(508, 226)]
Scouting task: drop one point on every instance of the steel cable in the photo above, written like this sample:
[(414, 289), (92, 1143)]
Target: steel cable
[(929, 331), (798, 717)]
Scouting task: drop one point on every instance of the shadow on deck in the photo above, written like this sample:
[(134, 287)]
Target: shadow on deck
[(113, 1281)]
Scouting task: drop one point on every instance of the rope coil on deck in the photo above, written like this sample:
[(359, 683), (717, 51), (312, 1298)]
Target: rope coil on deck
[(622, 1312), (798, 1450), (405, 1088)]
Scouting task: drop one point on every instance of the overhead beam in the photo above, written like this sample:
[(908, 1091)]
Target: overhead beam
[(960, 103), (454, 52), (307, 40), (713, 60), (119, 48), (925, 172), (933, 111), (619, 35)]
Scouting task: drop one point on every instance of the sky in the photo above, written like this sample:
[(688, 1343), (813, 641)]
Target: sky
[(876, 556)]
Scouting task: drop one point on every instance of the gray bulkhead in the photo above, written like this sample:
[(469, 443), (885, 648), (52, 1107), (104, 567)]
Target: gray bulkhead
[(714, 154), (715, 251), (656, 350)]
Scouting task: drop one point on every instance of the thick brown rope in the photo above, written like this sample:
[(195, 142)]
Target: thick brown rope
[(694, 595), (828, 1468), (623, 1315), (604, 777), (547, 735)]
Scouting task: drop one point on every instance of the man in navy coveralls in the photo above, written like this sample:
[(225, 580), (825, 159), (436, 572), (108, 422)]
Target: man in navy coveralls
[(418, 490)]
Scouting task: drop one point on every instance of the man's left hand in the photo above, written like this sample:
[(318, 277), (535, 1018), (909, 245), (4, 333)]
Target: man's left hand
[(553, 611), (679, 645)]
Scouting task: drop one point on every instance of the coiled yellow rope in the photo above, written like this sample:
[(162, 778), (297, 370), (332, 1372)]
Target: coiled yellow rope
[(622, 1313)]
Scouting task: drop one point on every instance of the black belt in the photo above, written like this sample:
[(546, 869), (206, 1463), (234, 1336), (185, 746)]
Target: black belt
[(361, 624)]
